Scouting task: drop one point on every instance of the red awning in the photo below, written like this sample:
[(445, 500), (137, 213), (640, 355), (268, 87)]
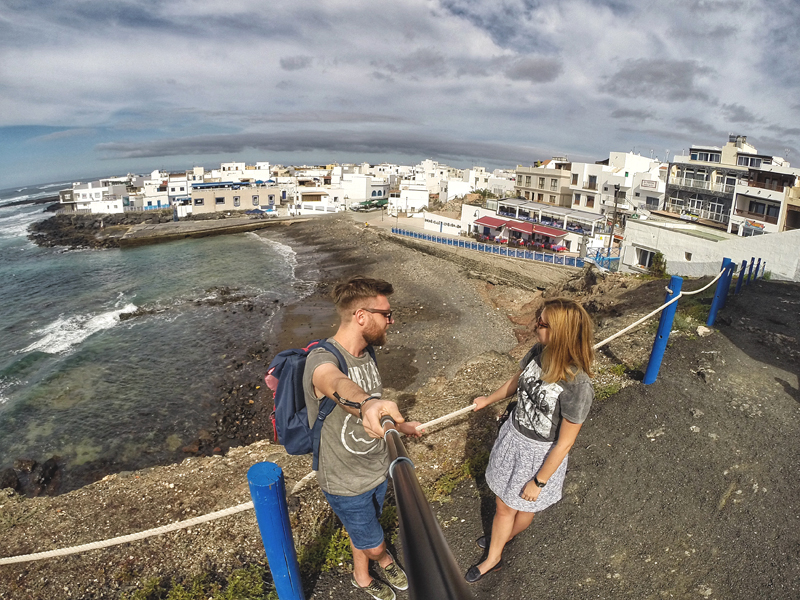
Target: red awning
[(491, 222), (549, 231), (521, 227)]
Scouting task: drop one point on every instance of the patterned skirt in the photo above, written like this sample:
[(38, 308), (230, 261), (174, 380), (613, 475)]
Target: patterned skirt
[(515, 459)]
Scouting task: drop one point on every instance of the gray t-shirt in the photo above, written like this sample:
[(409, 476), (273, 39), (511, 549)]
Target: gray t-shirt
[(541, 406), (350, 461)]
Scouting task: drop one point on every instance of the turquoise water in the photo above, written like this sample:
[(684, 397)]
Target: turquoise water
[(78, 382)]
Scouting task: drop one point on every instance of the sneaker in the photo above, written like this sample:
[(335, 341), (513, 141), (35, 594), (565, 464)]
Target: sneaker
[(377, 589), (394, 575)]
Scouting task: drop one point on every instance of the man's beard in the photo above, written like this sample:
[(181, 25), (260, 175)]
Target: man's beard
[(375, 336)]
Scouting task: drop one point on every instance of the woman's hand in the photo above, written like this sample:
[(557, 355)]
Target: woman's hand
[(410, 428), (530, 492), (481, 402)]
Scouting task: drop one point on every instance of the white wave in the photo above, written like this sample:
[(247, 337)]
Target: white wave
[(66, 332), (304, 288), (17, 225)]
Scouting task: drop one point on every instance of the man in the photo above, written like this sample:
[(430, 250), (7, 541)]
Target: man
[(353, 458)]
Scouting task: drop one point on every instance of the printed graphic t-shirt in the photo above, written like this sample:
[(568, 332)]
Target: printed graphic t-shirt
[(350, 461), (541, 406)]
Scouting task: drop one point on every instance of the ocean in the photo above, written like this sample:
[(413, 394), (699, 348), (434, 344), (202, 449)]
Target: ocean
[(79, 382)]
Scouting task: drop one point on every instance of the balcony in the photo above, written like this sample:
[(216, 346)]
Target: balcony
[(590, 185), (760, 184), (756, 216), (702, 185), (678, 206)]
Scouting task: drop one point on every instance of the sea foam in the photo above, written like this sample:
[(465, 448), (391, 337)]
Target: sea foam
[(66, 332)]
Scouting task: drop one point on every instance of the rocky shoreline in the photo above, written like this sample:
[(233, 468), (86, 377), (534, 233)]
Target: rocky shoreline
[(454, 342)]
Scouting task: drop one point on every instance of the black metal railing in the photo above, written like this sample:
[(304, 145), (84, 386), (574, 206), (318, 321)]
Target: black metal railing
[(432, 571)]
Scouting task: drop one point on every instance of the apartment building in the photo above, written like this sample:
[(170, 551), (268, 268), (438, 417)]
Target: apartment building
[(546, 183), (735, 187), (97, 197), (233, 196), (623, 183)]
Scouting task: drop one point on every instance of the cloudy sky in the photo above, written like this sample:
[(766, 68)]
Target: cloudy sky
[(101, 87)]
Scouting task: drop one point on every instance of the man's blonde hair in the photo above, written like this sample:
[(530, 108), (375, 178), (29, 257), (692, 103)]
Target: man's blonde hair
[(571, 344), (346, 294)]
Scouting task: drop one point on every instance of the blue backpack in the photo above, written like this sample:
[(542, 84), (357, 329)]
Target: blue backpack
[(290, 415)]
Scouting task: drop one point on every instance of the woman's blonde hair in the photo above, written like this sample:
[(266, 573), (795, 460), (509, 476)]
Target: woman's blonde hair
[(571, 344)]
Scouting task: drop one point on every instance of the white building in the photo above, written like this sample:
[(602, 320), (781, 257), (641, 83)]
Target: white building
[(443, 222), (694, 250), (413, 198), (105, 196), (316, 201)]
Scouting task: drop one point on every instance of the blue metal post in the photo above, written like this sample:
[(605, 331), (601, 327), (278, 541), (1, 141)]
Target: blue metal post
[(662, 335), (750, 272), (741, 277), (722, 290), (758, 266), (268, 491), (728, 277)]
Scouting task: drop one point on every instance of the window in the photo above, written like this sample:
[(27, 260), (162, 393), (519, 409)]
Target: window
[(149, 203), (553, 185), (705, 156), (552, 199), (589, 201), (757, 208), (255, 200), (374, 193), (636, 194), (541, 182), (271, 198), (527, 181), (749, 161), (577, 200), (219, 200), (540, 197), (237, 201), (574, 179), (592, 182), (687, 256), (198, 202), (651, 202), (644, 258), (519, 180)]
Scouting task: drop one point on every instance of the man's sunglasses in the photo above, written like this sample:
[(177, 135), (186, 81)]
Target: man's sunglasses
[(378, 311)]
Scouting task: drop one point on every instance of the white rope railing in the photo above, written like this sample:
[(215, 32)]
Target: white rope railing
[(128, 538), (300, 484)]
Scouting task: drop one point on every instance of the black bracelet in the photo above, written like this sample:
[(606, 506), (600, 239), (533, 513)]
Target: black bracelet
[(358, 405), (361, 406)]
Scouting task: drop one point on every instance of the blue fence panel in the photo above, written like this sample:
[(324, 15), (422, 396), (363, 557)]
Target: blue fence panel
[(570, 261), (538, 256), (473, 245), (529, 255), (495, 249), (548, 258), (579, 262), (450, 241)]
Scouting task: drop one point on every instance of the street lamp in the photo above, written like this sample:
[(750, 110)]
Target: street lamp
[(613, 219)]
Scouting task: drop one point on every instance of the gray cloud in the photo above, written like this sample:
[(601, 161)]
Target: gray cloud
[(536, 70), (351, 142), (629, 113), (670, 80), (698, 128), (325, 116), (295, 63), (736, 113)]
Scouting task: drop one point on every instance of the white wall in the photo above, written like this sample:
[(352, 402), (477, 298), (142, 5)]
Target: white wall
[(441, 224), (674, 241)]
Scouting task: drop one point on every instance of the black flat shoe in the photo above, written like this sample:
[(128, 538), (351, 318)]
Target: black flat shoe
[(483, 542), (474, 573)]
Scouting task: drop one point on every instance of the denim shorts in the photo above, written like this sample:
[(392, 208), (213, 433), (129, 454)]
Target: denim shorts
[(359, 515)]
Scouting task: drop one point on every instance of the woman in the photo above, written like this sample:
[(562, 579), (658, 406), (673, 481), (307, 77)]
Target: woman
[(529, 459)]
